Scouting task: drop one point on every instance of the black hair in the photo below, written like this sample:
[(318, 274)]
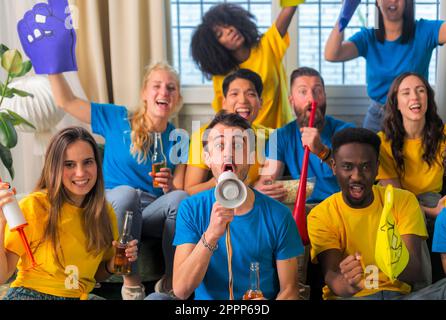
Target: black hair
[(356, 135), (209, 55), (246, 74), (227, 119), (305, 71), (393, 127), (408, 32)]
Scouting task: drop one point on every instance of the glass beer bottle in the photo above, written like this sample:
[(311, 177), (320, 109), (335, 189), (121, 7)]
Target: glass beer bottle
[(158, 157), (254, 278), (122, 265)]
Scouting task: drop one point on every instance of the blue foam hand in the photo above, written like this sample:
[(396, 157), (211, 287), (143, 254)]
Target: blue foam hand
[(48, 37), (347, 11)]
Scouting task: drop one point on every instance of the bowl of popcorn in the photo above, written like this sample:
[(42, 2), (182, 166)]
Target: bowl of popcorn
[(291, 187)]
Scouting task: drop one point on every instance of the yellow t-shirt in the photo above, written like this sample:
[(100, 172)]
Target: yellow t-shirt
[(266, 60), (334, 225), (49, 277), (196, 157), (418, 177)]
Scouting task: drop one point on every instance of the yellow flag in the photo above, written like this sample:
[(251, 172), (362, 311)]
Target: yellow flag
[(290, 3), (391, 254)]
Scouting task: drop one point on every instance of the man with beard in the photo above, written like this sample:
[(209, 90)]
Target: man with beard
[(261, 229), (343, 228), (286, 145)]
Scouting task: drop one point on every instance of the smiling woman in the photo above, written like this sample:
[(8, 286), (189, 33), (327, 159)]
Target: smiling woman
[(413, 141), (71, 226), (79, 172)]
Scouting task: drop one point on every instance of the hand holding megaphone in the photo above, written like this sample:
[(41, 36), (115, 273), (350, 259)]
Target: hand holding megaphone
[(230, 192)]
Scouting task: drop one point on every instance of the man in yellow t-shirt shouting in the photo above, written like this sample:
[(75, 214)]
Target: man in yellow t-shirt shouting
[(343, 228)]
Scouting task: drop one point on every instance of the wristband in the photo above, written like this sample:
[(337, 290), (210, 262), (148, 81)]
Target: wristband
[(327, 155), (323, 154), (210, 247)]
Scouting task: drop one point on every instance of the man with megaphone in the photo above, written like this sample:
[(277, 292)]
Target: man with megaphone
[(220, 231)]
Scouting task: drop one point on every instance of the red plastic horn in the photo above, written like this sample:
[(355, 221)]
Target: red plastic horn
[(299, 213)]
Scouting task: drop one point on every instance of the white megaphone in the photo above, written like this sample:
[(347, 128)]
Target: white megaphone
[(230, 192)]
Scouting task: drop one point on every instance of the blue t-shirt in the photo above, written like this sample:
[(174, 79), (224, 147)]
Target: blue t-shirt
[(386, 61), (289, 150), (119, 166), (439, 239), (265, 234)]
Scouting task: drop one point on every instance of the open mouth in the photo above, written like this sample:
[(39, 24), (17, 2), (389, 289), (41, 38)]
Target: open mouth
[(162, 103), (81, 183), (356, 191), (392, 8), (415, 107), (243, 112), (228, 167)]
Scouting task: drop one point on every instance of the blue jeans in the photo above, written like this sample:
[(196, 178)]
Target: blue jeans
[(22, 293), (152, 217), (374, 117), (436, 291)]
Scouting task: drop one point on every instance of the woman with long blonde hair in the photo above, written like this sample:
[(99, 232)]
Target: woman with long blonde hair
[(129, 181), (70, 225)]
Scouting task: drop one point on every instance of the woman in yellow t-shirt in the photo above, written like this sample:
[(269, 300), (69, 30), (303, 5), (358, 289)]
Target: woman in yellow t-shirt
[(71, 228), (413, 141), (228, 39)]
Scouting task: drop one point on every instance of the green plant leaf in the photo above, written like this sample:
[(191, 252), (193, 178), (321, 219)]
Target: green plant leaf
[(6, 157), (3, 49), (8, 135), (21, 93), (8, 93), (26, 67), (16, 119), (12, 61)]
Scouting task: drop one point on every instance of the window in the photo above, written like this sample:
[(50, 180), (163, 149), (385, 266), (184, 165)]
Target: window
[(186, 15), (316, 20)]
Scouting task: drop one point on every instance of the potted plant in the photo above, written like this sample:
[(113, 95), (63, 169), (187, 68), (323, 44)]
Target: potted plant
[(12, 62)]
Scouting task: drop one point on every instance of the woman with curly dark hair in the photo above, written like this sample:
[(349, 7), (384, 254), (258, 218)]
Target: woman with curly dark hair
[(413, 141), (228, 39)]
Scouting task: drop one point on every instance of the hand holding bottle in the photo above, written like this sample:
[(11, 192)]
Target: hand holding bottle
[(126, 248), (131, 251), (162, 179)]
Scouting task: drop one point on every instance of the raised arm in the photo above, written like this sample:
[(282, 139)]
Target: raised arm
[(336, 49), (284, 19), (65, 99)]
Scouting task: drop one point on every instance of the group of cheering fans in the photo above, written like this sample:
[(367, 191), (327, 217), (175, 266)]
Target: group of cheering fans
[(80, 201)]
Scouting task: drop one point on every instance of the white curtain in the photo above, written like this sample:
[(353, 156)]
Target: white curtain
[(441, 72), (27, 164)]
